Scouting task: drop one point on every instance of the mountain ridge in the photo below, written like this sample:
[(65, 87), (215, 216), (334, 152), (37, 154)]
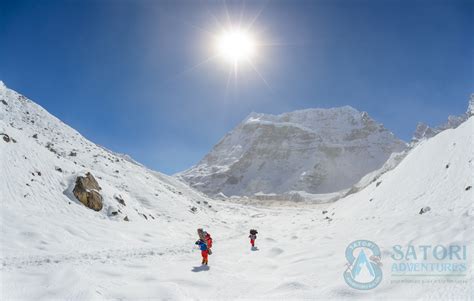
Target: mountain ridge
[(328, 133)]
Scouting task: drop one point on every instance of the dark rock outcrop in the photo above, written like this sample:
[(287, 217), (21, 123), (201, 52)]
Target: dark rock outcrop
[(6, 138), (120, 200), (87, 192), (424, 210)]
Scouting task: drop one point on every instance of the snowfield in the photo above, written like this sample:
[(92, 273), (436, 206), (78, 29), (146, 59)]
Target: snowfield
[(54, 248)]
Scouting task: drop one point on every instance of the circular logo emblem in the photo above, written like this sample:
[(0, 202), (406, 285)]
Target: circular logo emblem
[(363, 265)]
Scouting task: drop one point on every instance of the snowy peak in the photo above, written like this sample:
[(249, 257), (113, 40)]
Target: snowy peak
[(312, 150), (424, 131)]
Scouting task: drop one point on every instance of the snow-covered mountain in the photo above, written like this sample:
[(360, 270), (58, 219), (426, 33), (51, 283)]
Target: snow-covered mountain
[(41, 158), (314, 150), (424, 131), (52, 247)]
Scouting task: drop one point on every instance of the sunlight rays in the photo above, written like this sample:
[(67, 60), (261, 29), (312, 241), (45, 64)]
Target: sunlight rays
[(237, 45)]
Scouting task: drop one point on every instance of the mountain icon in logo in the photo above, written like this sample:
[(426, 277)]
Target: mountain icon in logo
[(362, 270)]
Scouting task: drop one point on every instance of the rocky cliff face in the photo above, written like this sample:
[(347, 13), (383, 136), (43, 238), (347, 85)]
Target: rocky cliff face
[(314, 150)]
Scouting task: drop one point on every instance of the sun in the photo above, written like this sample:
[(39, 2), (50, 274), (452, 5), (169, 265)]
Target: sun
[(235, 46)]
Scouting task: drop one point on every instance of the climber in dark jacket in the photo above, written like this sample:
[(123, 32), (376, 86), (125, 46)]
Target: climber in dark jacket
[(253, 237)]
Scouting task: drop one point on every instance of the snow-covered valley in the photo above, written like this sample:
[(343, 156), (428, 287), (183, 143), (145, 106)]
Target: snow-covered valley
[(140, 245)]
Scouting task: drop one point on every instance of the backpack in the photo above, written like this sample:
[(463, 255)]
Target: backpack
[(208, 240)]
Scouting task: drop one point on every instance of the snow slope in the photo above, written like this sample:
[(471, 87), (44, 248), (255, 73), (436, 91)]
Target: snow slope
[(38, 173), (54, 248), (314, 151)]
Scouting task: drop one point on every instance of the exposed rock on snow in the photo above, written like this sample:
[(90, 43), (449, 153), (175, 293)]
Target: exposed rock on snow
[(120, 200), (314, 151), (5, 137), (425, 209), (87, 192), (423, 131)]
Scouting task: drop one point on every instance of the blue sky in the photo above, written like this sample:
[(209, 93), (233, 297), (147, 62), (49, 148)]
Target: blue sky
[(121, 72)]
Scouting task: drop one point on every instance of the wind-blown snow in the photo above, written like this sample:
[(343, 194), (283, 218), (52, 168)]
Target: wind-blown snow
[(53, 247)]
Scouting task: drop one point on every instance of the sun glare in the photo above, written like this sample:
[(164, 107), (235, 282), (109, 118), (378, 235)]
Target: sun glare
[(235, 46)]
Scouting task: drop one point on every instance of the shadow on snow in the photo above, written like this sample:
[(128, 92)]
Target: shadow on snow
[(200, 268)]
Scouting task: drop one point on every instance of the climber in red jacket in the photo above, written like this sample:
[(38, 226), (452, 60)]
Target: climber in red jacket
[(205, 238)]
